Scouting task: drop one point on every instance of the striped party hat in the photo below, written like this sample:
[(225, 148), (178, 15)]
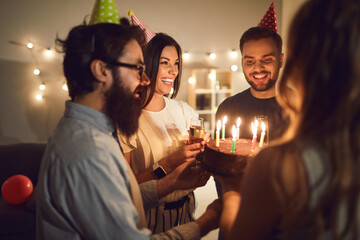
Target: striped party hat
[(269, 19), (135, 21), (104, 11)]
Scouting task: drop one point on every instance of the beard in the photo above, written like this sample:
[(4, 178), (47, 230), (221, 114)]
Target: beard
[(123, 108), (261, 86)]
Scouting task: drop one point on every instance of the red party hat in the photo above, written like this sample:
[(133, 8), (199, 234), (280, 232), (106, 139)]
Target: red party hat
[(269, 19), (135, 21)]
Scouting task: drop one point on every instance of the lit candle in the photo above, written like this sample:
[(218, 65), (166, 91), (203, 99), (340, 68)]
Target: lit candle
[(263, 128), (233, 139), (238, 122), (223, 128), (254, 131), (218, 127)]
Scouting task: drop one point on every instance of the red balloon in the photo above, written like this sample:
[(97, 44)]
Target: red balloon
[(17, 189)]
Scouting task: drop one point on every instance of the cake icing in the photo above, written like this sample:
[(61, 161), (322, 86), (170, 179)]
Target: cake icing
[(220, 160)]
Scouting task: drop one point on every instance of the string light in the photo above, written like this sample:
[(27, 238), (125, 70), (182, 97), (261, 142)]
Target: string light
[(191, 80), (186, 55), (212, 76), (39, 97), (48, 52), (65, 87), (42, 87), (233, 53), (36, 71), (30, 45)]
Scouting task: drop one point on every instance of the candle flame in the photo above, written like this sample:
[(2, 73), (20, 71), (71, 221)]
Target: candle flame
[(238, 122), (256, 123), (263, 127), (218, 126), (254, 128), (224, 120), (234, 132)]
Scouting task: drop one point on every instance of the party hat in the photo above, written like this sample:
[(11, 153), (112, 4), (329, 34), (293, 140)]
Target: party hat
[(104, 11), (269, 19), (135, 21)]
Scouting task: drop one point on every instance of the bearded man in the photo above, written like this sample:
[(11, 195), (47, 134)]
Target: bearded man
[(86, 189)]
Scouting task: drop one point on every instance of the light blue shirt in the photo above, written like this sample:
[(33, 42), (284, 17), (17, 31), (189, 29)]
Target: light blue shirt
[(83, 190)]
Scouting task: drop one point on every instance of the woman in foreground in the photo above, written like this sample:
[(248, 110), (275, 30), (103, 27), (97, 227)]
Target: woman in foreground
[(307, 185)]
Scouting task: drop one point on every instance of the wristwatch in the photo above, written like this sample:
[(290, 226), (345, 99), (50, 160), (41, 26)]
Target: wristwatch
[(158, 171)]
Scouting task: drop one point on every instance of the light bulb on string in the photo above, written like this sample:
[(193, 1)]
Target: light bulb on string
[(191, 80), (212, 55), (36, 71), (186, 55), (30, 45), (234, 68), (39, 97), (48, 52), (212, 76), (42, 86), (233, 53), (65, 87)]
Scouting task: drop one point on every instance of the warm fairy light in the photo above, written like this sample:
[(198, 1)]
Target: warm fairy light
[(212, 76), (65, 87), (48, 52), (186, 55), (191, 80), (39, 97), (29, 45), (42, 87), (234, 68), (36, 71), (234, 53), (212, 55)]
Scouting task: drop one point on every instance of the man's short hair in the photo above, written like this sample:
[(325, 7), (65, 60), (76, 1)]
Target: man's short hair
[(85, 43), (256, 33)]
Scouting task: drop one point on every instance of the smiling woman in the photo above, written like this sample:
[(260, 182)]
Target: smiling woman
[(159, 145)]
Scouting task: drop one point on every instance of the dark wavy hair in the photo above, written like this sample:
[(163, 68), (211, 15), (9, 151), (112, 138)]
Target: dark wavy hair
[(256, 33), (323, 65), (152, 53), (104, 41)]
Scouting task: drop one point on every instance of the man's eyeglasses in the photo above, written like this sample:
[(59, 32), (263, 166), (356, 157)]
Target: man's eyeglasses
[(140, 68)]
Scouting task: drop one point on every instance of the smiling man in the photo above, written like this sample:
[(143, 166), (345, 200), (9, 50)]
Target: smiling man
[(86, 189), (262, 58)]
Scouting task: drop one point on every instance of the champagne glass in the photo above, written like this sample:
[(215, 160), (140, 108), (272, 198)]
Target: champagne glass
[(196, 130)]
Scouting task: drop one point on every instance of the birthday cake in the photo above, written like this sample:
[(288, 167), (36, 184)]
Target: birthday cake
[(220, 160)]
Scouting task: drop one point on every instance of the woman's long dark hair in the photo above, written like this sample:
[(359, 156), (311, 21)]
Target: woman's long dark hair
[(152, 53), (323, 59)]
